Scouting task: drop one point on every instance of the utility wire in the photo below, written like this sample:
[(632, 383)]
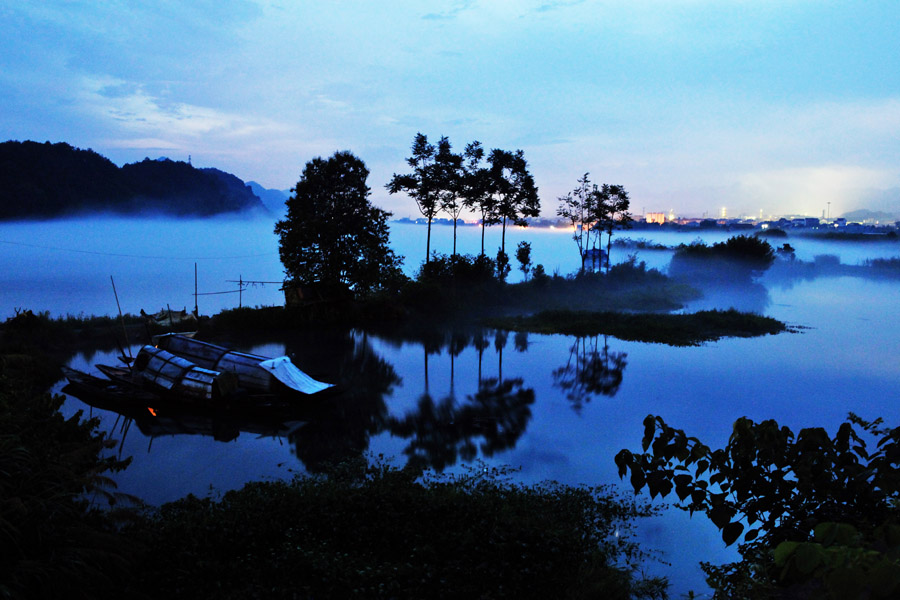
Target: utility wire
[(136, 255)]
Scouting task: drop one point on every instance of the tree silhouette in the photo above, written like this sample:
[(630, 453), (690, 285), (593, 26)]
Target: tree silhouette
[(613, 213), (582, 208), (513, 188), (476, 187), (332, 234), (423, 184)]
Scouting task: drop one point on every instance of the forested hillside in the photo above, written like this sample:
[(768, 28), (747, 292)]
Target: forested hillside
[(52, 180)]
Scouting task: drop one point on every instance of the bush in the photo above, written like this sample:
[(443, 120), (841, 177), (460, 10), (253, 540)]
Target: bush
[(738, 257), (380, 532)]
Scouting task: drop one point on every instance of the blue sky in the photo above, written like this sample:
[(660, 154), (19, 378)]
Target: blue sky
[(692, 105)]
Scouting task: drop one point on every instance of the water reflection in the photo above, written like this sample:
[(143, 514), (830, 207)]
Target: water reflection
[(591, 371), (342, 427), (474, 414), (443, 432)]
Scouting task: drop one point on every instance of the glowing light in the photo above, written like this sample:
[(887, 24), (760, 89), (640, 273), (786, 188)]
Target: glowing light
[(152, 412)]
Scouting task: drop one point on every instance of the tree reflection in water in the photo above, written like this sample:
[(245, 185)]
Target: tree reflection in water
[(590, 371), (443, 432), (342, 426)]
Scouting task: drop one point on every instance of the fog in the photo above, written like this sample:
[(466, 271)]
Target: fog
[(65, 266)]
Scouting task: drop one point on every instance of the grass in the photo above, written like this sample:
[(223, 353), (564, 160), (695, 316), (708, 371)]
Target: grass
[(672, 329)]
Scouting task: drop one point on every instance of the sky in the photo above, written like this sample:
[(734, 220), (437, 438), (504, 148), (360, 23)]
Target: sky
[(695, 106)]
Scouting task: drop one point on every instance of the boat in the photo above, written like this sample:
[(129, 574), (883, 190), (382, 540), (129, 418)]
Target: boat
[(157, 415), (161, 372), (254, 373)]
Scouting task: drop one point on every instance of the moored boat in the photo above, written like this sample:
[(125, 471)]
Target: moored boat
[(254, 373)]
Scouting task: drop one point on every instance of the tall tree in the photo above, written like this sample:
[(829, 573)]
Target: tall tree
[(422, 184), (514, 191), (332, 234), (581, 208), (614, 213), (476, 186), (448, 177)]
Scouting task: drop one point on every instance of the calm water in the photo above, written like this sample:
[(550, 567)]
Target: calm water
[(438, 400)]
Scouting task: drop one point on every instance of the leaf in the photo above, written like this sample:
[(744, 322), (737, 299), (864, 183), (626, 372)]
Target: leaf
[(751, 535), (784, 551), (731, 532), (702, 466), (637, 479), (841, 534), (624, 459), (649, 431), (808, 557)]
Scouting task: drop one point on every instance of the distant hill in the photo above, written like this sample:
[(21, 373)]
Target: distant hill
[(862, 215), (53, 180), (274, 200)]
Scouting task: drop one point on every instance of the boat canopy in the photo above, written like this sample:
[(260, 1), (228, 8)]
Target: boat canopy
[(170, 373), (250, 369)]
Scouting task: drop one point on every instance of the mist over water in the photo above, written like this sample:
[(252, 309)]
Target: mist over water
[(64, 266)]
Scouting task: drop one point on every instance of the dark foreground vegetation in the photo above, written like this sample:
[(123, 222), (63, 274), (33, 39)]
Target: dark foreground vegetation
[(817, 516), (378, 532)]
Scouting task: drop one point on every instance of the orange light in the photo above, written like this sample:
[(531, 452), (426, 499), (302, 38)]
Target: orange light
[(152, 412)]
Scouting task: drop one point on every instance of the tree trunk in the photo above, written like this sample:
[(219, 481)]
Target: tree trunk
[(454, 236), (482, 235), (428, 243)]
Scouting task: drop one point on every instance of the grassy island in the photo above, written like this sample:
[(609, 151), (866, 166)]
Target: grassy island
[(672, 329)]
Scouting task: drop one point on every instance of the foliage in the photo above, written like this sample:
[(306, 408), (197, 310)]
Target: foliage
[(818, 515), (739, 257), (503, 266), (332, 233), (513, 189), (463, 269), (580, 208), (54, 540), (612, 213), (424, 183), (476, 186), (379, 532), (523, 256)]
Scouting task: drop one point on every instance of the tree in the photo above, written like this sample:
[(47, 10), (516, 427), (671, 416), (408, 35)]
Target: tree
[(523, 255), (613, 213), (822, 511), (513, 188), (448, 182), (476, 187), (421, 185), (580, 208), (332, 234)]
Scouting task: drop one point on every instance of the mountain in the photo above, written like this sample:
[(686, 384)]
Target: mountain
[(53, 180), (864, 215), (274, 200)]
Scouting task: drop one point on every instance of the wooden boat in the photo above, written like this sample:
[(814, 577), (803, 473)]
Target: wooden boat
[(254, 373), (157, 415)]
